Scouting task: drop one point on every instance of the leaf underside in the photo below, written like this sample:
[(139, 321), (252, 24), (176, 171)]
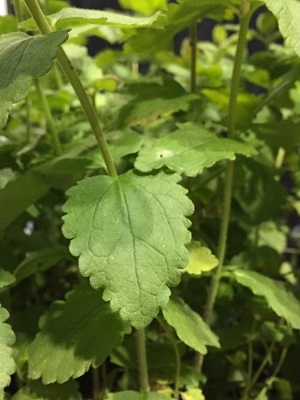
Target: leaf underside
[(130, 235), (24, 57), (189, 150)]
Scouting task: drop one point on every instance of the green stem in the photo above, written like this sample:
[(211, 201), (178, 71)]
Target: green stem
[(45, 28), (49, 118), (270, 381), (170, 335), (193, 45), (96, 384), (246, 13), (142, 360), (17, 9), (28, 122)]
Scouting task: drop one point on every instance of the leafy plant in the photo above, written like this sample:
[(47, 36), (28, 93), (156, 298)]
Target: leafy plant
[(149, 241)]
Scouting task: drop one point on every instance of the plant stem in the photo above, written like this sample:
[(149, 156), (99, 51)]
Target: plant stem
[(246, 13), (96, 384), (17, 10), (193, 45), (142, 360), (45, 28), (170, 335), (28, 122), (49, 118)]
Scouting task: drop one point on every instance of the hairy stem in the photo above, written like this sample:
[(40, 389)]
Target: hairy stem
[(142, 360), (49, 118), (17, 10), (45, 28), (246, 13)]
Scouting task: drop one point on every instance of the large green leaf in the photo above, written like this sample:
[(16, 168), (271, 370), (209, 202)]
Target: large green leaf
[(189, 150), (18, 195), (38, 391), (7, 339), (130, 234), (75, 334), (179, 15), (282, 302), (131, 395), (144, 6), (69, 17), (272, 133), (287, 13), (189, 326), (66, 347), (24, 57)]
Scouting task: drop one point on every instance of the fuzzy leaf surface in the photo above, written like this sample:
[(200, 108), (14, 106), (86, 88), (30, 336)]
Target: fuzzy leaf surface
[(7, 339), (279, 299), (189, 150), (130, 235), (38, 391), (24, 57), (287, 13), (75, 334), (189, 326)]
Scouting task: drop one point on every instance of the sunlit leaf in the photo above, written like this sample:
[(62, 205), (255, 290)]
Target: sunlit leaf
[(66, 347), (279, 299), (193, 394), (189, 150), (287, 13), (7, 339), (200, 259), (38, 391), (130, 234), (144, 6), (189, 326), (24, 57)]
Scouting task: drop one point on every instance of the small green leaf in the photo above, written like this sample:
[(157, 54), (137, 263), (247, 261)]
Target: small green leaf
[(144, 6), (25, 190), (7, 339), (38, 391), (189, 150), (287, 13), (40, 260), (131, 395), (130, 234), (189, 326), (193, 394), (75, 334), (279, 299), (200, 259), (6, 278), (24, 57)]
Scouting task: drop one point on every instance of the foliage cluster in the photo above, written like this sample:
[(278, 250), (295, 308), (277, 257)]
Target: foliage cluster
[(182, 189)]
